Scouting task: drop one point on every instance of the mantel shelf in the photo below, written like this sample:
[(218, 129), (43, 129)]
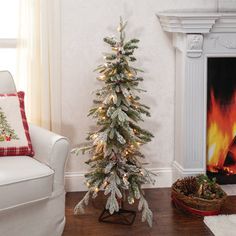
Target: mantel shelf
[(198, 22)]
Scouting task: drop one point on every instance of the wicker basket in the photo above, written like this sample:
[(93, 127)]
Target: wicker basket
[(196, 205)]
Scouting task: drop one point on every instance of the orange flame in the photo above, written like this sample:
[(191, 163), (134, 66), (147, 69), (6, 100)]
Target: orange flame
[(221, 127)]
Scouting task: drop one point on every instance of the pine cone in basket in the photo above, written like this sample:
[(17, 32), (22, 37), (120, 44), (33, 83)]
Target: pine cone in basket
[(187, 186)]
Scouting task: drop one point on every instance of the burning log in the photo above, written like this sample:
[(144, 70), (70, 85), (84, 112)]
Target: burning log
[(221, 138)]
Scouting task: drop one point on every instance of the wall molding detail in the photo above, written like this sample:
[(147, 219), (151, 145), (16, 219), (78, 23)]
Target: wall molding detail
[(227, 43), (194, 45), (75, 181)]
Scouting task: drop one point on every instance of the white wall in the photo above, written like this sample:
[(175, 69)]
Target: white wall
[(84, 25)]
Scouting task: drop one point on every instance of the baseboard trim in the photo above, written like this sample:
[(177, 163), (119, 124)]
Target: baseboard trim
[(75, 181), (180, 172)]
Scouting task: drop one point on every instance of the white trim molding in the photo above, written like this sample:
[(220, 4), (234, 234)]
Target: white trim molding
[(180, 172), (75, 181)]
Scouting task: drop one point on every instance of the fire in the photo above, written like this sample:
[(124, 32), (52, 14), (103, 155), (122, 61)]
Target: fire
[(221, 126)]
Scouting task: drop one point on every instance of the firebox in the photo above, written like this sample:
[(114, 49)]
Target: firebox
[(221, 119)]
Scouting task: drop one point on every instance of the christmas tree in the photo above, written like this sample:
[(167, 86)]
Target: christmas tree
[(6, 132), (116, 164)]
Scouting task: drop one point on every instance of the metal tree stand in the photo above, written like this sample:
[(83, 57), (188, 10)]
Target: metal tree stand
[(123, 217)]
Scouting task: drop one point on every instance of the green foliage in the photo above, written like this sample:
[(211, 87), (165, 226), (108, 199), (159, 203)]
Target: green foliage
[(116, 163), (208, 188)]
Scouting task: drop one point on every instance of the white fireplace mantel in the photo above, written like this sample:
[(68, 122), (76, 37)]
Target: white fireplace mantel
[(196, 36), (196, 22)]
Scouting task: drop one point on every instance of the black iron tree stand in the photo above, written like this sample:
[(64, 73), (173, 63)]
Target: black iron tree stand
[(123, 216)]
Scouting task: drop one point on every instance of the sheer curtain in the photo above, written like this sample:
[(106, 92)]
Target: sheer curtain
[(39, 61)]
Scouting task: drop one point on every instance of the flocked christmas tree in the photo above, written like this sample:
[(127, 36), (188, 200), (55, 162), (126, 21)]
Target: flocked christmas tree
[(116, 163), (6, 132)]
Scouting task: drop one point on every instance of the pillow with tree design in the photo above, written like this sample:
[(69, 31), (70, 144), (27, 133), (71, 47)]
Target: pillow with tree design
[(14, 130)]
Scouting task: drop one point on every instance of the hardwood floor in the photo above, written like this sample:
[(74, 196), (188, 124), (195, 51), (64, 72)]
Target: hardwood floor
[(167, 219)]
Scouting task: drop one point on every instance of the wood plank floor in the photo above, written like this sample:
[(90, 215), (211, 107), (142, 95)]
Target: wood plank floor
[(167, 219)]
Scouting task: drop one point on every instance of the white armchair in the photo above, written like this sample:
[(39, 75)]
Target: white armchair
[(32, 195)]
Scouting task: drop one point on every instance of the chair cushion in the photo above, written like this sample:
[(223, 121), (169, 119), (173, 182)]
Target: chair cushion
[(23, 180)]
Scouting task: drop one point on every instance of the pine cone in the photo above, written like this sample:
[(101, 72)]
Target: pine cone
[(187, 185)]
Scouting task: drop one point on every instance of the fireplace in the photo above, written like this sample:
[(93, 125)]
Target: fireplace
[(205, 53), (221, 119)]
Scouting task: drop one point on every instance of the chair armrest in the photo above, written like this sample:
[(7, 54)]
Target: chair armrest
[(52, 150)]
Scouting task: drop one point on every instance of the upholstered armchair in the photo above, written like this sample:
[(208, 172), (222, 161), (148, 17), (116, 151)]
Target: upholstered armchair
[(32, 195)]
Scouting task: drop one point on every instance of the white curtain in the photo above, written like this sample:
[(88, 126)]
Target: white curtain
[(39, 61)]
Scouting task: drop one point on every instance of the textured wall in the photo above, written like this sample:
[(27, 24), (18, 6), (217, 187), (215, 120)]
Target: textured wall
[(84, 24)]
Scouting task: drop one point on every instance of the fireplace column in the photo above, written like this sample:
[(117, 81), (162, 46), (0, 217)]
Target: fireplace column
[(189, 122)]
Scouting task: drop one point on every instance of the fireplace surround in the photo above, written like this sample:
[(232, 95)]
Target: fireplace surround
[(196, 37)]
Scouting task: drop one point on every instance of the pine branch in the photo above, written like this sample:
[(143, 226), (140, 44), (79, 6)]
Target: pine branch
[(146, 212), (79, 208)]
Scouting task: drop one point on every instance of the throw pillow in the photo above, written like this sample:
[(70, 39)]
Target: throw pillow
[(14, 130)]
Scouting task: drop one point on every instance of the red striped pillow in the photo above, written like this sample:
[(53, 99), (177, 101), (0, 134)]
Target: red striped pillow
[(14, 130)]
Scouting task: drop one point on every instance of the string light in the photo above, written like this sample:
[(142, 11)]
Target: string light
[(126, 152), (131, 201), (96, 189), (104, 118), (132, 146), (125, 179), (88, 184), (100, 108), (102, 77)]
